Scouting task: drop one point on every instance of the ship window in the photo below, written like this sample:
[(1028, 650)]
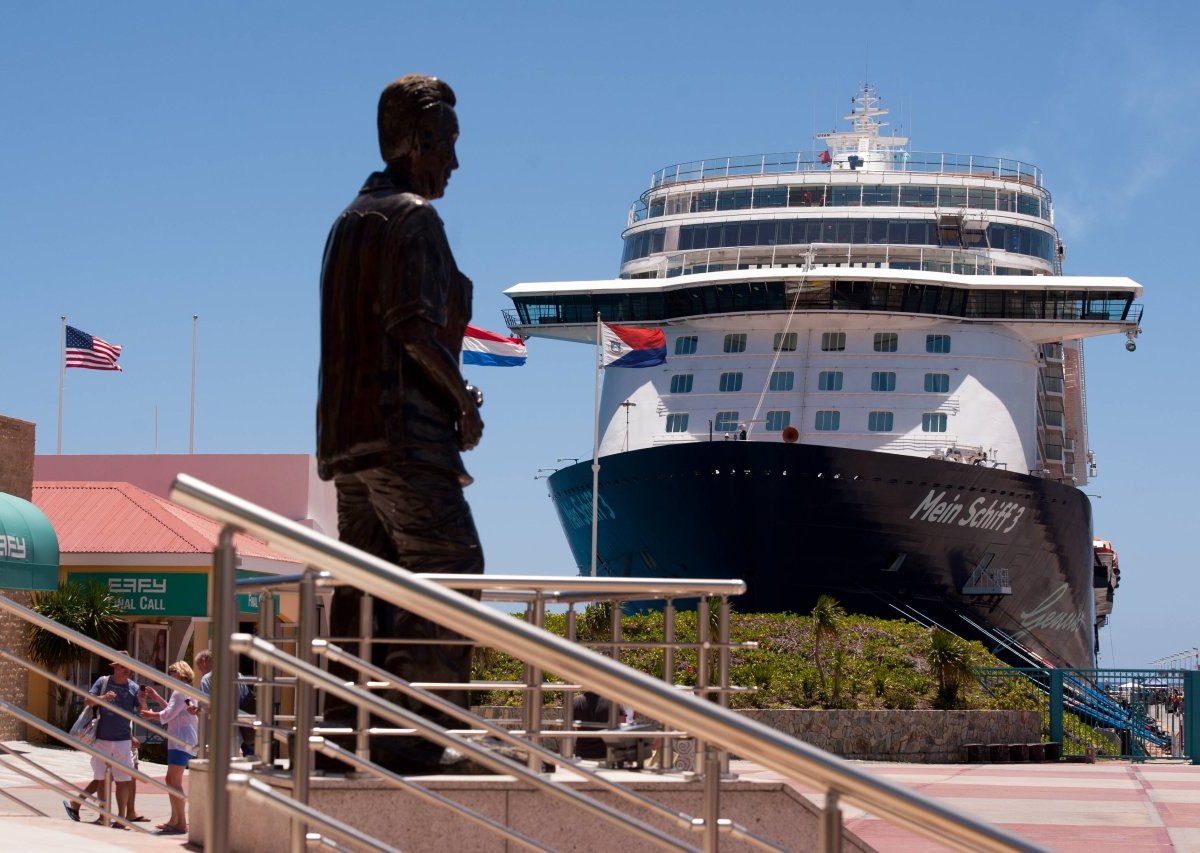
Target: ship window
[(782, 380), (879, 421), (933, 422), (880, 196), (952, 197), (704, 202), (937, 343), (733, 199), (918, 196), (828, 421), (883, 381), (829, 380), (677, 422), (731, 381), (735, 343), (886, 341), (686, 345), (845, 196), (726, 422), (785, 342), (806, 197), (771, 197), (833, 341), (777, 421), (938, 383), (681, 383)]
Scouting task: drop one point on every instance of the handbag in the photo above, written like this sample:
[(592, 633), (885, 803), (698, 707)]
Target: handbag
[(88, 720)]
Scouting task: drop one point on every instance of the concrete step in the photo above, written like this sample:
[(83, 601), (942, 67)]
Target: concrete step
[(771, 810)]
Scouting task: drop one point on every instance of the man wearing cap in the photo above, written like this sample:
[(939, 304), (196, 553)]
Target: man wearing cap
[(113, 738)]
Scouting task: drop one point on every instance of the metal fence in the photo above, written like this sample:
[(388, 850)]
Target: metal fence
[(1136, 714), (715, 728)]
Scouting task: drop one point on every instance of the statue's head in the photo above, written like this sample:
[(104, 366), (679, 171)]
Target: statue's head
[(418, 129)]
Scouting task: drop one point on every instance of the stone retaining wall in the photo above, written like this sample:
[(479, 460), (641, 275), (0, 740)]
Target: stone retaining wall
[(929, 737), (16, 478), (923, 737)]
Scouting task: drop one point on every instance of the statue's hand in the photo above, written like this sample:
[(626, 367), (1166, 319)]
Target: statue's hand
[(470, 429)]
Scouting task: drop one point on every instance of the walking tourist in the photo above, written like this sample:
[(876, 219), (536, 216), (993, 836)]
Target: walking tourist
[(181, 743), (113, 738)]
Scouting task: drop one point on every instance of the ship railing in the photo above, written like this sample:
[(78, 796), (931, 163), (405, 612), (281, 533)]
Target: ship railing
[(715, 728), (795, 162), (45, 778), (819, 255)]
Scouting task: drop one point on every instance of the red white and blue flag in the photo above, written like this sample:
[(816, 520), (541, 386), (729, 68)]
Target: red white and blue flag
[(90, 352), (491, 350), (625, 346)]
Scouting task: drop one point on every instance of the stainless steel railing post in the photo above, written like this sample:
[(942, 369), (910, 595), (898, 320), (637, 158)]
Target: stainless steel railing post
[(702, 666), (224, 693), (723, 668), (712, 801), (301, 756), (535, 695), (566, 746), (829, 839), (265, 709), (666, 752), (107, 797), (366, 630)]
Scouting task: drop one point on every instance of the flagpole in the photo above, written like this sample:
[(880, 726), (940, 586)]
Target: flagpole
[(62, 375), (596, 446), (192, 414)]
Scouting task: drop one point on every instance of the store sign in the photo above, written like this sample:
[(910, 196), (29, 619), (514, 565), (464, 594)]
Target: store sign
[(146, 594), (250, 602)]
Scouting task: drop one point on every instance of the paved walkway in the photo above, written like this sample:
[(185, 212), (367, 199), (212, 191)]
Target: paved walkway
[(23, 829), (1108, 806), (1070, 808)]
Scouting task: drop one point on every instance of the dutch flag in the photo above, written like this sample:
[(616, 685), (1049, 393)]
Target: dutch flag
[(491, 350)]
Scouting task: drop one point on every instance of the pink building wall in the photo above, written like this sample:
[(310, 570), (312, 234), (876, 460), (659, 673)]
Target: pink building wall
[(285, 483)]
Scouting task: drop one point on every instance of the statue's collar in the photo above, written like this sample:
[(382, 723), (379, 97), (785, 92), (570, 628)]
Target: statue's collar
[(391, 178)]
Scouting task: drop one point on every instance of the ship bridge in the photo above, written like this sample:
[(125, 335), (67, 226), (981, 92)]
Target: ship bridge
[(1048, 308)]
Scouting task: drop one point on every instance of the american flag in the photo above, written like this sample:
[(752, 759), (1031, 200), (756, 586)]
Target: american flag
[(91, 352)]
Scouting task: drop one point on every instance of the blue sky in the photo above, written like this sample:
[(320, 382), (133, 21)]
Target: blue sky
[(164, 160)]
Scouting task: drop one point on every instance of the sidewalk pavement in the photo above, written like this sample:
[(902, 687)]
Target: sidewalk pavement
[(1070, 808), (23, 829)]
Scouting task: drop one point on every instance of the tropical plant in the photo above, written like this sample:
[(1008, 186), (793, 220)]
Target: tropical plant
[(950, 659), (87, 608), (828, 616)]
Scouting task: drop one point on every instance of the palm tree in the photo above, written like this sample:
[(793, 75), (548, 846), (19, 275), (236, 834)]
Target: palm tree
[(89, 609), (827, 616), (950, 658)]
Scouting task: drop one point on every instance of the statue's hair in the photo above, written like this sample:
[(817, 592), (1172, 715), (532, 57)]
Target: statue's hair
[(400, 105)]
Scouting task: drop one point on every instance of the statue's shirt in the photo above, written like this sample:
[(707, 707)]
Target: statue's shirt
[(387, 262)]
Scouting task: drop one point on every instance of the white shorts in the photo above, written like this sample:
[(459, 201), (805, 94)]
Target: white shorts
[(121, 752)]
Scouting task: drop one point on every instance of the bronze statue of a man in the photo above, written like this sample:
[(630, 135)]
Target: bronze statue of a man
[(393, 413)]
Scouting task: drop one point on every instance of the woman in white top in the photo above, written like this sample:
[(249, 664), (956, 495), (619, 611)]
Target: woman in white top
[(181, 743)]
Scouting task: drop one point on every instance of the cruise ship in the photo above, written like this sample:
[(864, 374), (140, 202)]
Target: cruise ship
[(874, 388)]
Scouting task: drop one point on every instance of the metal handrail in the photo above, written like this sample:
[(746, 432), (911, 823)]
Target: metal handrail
[(709, 722)]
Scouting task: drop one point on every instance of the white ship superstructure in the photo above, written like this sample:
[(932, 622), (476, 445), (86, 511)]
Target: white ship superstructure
[(866, 296)]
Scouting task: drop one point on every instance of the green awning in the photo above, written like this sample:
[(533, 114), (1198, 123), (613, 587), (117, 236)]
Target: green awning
[(28, 546)]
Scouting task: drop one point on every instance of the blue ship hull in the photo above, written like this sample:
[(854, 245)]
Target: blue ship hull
[(988, 553)]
